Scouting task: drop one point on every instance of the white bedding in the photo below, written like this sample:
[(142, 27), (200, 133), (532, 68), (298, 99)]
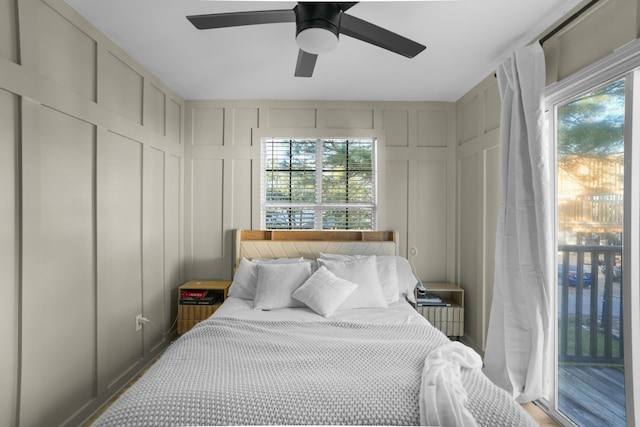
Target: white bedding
[(292, 366), (397, 313), (443, 399), (367, 365)]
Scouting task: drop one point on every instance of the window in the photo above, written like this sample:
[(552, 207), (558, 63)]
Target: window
[(326, 184), (597, 201), (590, 178)]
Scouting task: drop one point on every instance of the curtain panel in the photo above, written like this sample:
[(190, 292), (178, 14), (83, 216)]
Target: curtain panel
[(518, 346)]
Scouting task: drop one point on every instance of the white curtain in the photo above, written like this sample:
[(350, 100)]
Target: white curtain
[(518, 346)]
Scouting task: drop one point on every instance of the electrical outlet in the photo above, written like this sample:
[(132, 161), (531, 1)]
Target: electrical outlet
[(139, 322), (413, 251)]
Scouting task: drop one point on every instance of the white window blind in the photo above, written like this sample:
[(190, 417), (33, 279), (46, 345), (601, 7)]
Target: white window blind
[(324, 184)]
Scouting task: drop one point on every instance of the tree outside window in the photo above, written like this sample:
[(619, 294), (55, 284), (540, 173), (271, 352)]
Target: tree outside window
[(318, 184)]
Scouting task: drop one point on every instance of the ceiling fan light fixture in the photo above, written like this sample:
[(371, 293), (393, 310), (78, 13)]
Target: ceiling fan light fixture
[(317, 40), (317, 26)]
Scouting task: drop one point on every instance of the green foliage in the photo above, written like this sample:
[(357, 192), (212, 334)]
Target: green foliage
[(342, 175), (616, 348), (593, 124)]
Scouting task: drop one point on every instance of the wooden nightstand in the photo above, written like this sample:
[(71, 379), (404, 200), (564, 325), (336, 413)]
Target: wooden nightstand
[(188, 314), (450, 319)]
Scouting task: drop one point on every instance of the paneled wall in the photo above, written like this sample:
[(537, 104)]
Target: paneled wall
[(416, 175), (91, 167), (478, 158)]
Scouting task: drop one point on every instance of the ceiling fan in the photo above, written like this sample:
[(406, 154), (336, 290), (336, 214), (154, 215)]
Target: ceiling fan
[(318, 25)]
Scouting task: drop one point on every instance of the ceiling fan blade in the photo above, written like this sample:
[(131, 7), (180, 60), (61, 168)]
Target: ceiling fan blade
[(234, 19), (344, 6), (370, 33), (306, 63)]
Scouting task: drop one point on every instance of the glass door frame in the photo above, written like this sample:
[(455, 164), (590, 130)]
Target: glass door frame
[(625, 62)]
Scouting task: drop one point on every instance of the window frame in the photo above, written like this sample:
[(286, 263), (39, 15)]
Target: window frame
[(623, 63), (258, 135)]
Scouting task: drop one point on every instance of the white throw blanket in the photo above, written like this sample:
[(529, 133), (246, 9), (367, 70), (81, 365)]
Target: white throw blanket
[(442, 395)]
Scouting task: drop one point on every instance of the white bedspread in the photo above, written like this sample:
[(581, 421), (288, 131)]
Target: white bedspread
[(229, 371)]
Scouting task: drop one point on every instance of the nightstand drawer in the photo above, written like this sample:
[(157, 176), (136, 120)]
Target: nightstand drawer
[(189, 315), (449, 320)]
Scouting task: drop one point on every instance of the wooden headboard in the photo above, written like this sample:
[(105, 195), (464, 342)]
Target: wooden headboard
[(309, 244)]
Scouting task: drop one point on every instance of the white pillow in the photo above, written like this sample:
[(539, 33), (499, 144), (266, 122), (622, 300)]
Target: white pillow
[(276, 283), (388, 276), (245, 279), (407, 281), (277, 260), (341, 257), (324, 292), (387, 272), (364, 273)]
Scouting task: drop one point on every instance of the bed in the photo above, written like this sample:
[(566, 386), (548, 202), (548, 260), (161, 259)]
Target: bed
[(318, 329)]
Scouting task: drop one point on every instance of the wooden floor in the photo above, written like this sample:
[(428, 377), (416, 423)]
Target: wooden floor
[(539, 415), (592, 396)]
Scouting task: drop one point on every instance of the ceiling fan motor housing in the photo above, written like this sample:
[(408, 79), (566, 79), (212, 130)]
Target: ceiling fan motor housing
[(317, 16)]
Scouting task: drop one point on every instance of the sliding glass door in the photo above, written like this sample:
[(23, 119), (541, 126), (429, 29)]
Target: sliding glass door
[(590, 207), (598, 243)]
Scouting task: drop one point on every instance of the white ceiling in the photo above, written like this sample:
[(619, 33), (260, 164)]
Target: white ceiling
[(465, 39)]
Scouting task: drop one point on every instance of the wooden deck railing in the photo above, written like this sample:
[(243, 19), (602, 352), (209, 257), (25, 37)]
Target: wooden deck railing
[(590, 304), (601, 209)]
